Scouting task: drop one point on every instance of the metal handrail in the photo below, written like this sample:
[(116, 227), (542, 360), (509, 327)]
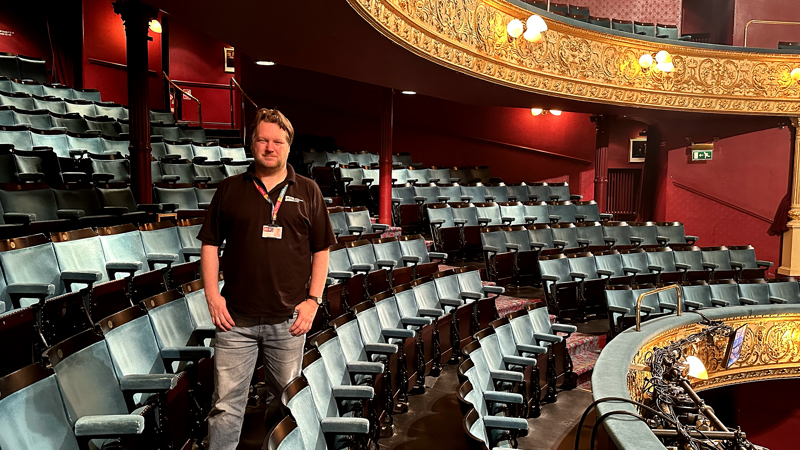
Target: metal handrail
[(768, 22), (655, 291), (186, 93), (235, 84)]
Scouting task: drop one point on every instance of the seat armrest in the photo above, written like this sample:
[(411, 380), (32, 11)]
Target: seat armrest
[(533, 349), (507, 375), (778, 300), (451, 302), (483, 221), (19, 218), (420, 198), (199, 159), (584, 242), (519, 361), (366, 268), (430, 312), (205, 332), (656, 268), (380, 348), (513, 246), (340, 274), (646, 309), (682, 266), (38, 291), (710, 265), (466, 198), (489, 198), (460, 222), (103, 426), (70, 277), (455, 180), (662, 240), (578, 275), (505, 423), (149, 207), (367, 181), (636, 240), (564, 328), (548, 277), (439, 222), (605, 216), (470, 295), (168, 207), (737, 265), (102, 177), (149, 382), (355, 229), (554, 197), (397, 333), (691, 239), (491, 249), (552, 338), (416, 321), (72, 214), (632, 270), (580, 217), (503, 397), (346, 180), (605, 273), (765, 264), (127, 267), (379, 227), (202, 179), (189, 353), (663, 305), (171, 156), (411, 259), (494, 289), (170, 178), (437, 255), (161, 258), (690, 304), (443, 198), (365, 367), (203, 205), (31, 176), (619, 309), (387, 263), (507, 220), (747, 301), (720, 302), (530, 219), (558, 243), (396, 201), (575, 197), (554, 218), (537, 245), (345, 425), (353, 392), (433, 180)]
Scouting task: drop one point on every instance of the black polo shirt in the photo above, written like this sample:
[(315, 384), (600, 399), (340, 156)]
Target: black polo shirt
[(266, 277)]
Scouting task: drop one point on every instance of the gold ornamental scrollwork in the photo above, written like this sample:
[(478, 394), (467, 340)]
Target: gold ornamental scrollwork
[(581, 64), (794, 215), (771, 350)]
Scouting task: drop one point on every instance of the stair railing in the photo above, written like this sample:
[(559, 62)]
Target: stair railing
[(655, 291), (236, 86), (189, 95)]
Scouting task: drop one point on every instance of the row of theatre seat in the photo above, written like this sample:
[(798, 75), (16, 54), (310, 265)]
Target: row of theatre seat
[(43, 119), (513, 363), (574, 282), (21, 67), (698, 294)]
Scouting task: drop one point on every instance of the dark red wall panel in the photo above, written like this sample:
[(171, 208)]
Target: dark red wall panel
[(29, 31), (766, 35)]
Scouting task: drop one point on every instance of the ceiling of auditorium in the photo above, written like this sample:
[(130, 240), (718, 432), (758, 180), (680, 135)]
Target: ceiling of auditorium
[(329, 37)]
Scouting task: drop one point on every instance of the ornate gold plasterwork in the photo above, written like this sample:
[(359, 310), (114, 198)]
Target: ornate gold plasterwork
[(572, 62), (771, 350)]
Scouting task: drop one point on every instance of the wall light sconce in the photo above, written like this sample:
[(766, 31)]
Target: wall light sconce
[(662, 61), (796, 75), (535, 24), (155, 26), (543, 112)]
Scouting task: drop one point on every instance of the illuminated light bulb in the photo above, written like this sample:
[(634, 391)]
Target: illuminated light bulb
[(696, 368), (796, 74), (533, 36), (265, 63), (409, 92), (536, 111), (645, 61), (665, 67), (555, 112), (514, 28), (536, 23), (663, 57), (155, 26)]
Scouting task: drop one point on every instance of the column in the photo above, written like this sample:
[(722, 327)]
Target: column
[(790, 257), (136, 16), (601, 162), (387, 117)]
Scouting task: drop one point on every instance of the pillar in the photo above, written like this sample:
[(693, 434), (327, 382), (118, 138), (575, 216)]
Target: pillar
[(387, 118), (136, 16), (601, 162), (790, 257)]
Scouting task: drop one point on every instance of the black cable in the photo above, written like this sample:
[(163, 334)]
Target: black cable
[(617, 399), (611, 413)]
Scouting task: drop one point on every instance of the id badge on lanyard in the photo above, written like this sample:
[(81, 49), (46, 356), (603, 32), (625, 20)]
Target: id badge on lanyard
[(272, 231)]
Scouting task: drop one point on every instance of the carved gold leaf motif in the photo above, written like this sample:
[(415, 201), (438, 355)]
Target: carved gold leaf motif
[(573, 62)]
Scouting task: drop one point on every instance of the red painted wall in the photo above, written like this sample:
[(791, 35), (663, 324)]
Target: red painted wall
[(29, 32), (749, 172), (197, 57), (696, 14), (767, 411), (765, 35), (104, 40)]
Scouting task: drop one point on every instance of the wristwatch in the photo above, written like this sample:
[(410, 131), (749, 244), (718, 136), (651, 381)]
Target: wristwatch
[(316, 299)]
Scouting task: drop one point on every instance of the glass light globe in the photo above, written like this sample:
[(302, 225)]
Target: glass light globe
[(536, 23), (645, 61), (663, 57), (555, 112), (665, 67), (533, 36), (155, 26), (696, 368), (796, 74), (514, 28), (536, 111)]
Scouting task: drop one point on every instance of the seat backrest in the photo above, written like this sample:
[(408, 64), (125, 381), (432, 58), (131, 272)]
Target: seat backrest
[(359, 216), (555, 265), (316, 372), (541, 233), (119, 168), (169, 314), (215, 171), (80, 106), (621, 296), (196, 134), (194, 293), (619, 230), (583, 262), (356, 174), (330, 347), (162, 116), (406, 301), (692, 256), (663, 257), (650, 300), (667, 31), (34, 392), (644, 28), (421, 175), (744, 254), (338, 221), (117, 196), (540, 320), (162, 237), (592, 231), (717, 255), (673, 231), (622, 25), (388, 311), (538, 210), (697, 291), (52, 105), (167, 132), (58, 91), (17, 100), (38, 119), (539, 192), (210, 151), (610, 260), (184, 197), (491, 211), (482, 173), (566, 232), (9, 67), (787, 289), (302, 407), (635, 258), (388, 249), (86, 375), (414, 245), (727, 290), (505, 337), (30, 260), (184, 149), (84, 199), (491, 349), (440, 211), (498, 191), (91, 95), (92, 143), (430, 192), (111, 109), (426, 294), (559, 191), (236, 153), (564, 209), (80, 250), (514, 210), (470, 281), (517, 234), (119, 145), (338, 261), (404, 193), (57, 140), (18, 136), (451, 191), (645, 230), (360, 252), (447, 285), (477, 193), (187, 231), (757, 290), (494, 237), (399, 176), (184, 169), (589, 209), (123, 243), (440, 175)]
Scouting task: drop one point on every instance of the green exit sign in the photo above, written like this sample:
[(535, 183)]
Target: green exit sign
[(702, 155)]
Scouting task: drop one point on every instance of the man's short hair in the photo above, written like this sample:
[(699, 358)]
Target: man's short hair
[(272, 116)]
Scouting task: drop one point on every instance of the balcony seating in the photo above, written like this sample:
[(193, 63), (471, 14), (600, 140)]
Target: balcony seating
[(590, 235), (588, 211), (784, 291), (755, 292), (604, 22), (561, 211), (565, 236), (636, 258), (674, 233), (697, 295), (621, 305), (500, 258), (538, 192), (563, 289), (620, 235), (527, 253), (644, 28), (622, 25), (446, 230), (690, 260), (517, 192), (718, 261), (743, 258), (513, 213), (648, 232), (449, 192)]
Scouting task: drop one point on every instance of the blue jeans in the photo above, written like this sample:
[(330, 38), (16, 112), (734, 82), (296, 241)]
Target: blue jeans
[(235, 355)]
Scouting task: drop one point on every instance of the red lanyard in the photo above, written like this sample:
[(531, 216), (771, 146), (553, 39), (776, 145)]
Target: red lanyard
[(277, 205)]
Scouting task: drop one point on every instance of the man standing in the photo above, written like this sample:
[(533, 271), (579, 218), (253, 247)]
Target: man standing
[(277, 233)]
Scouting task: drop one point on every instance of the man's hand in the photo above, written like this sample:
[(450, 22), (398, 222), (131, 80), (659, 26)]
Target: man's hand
[(219, 311), (305, 317)]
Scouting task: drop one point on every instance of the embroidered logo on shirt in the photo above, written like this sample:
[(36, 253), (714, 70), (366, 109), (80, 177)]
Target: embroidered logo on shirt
[(289, 198)]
